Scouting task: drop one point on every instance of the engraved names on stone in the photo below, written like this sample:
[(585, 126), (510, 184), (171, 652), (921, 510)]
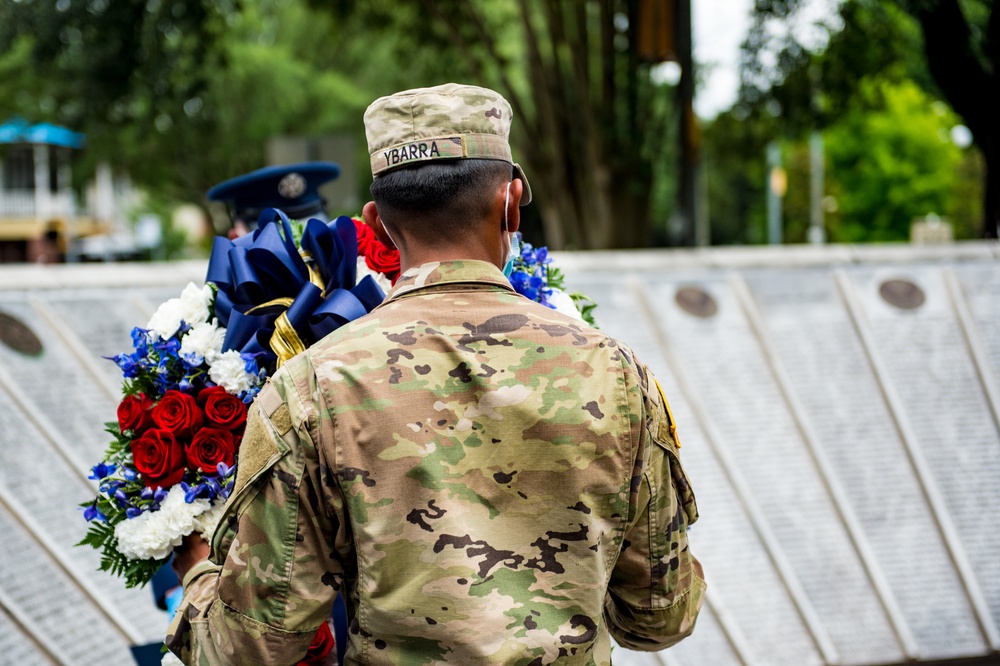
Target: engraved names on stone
[(46, 492), (728, 370), (102, 322), (725, 541), (42, 593), (15, 646), (980, 284), (59, 389), (931, 368), (816, 342)]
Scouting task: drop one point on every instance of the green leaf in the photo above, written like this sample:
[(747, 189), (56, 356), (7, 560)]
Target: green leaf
[(586, 307)]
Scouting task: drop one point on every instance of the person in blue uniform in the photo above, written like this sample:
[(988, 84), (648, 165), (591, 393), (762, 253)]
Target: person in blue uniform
[(292, 188)]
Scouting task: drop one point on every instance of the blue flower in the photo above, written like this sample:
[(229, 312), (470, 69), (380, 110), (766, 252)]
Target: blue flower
[(193, 360), (121, 497), (92, 512), (101, 471), (168, 348), (250, 362), (129, 474), (132, 512), (140, 340), (159, 495), (224, 470), (193, 492), (248, 395), (126, 363), (214, 489)]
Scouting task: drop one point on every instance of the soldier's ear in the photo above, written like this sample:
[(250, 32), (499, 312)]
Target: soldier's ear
[(514, 205), (372, 219)]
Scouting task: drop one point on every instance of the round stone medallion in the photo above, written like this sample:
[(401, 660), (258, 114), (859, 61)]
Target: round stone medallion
[(15, 334), (903, 294), (696, 301)]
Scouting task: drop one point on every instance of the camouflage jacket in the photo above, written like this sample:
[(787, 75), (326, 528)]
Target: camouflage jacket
[(487, 480)]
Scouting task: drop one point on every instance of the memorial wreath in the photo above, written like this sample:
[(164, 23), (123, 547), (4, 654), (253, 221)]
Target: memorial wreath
[(203, 357)]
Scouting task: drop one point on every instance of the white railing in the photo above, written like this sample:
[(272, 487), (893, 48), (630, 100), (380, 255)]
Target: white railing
[(17, 203), (22, 204)]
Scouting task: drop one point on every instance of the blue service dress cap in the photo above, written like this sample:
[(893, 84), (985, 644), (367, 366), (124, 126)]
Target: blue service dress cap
[(293, 188)]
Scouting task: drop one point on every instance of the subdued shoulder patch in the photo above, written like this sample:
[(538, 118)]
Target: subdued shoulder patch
[(281, 419), (256, 449), (274, 408)]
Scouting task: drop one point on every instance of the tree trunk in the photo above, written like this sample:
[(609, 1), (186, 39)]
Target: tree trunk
[(581, 124), (959, 72)]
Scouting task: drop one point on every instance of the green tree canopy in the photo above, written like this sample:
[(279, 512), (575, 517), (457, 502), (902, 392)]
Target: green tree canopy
[(951, 48), (184, 93), (893, 160), (869, 90)]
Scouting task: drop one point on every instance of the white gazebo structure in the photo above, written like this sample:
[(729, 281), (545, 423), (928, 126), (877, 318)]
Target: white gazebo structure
[(39, 213)]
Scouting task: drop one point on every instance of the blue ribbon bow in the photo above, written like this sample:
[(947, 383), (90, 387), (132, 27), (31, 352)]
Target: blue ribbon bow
[(266, 267)]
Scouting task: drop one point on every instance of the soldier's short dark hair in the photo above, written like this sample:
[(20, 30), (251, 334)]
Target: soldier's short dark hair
[(435, 201)]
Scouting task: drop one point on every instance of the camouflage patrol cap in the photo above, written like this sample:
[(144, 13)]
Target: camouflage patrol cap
[(450, 121)]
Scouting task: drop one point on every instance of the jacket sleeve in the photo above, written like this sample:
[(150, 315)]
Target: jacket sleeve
[(271, 580), (657, 585)]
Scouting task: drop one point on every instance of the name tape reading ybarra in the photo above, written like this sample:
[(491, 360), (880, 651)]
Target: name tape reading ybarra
[(428, 149)]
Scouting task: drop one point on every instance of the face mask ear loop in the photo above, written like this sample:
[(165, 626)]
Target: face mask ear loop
[(390, 237), (514, 243)]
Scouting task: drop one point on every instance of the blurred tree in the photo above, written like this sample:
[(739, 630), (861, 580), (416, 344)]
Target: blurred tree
[(591, 126), (960, 41), (181, 94), (893, 159)]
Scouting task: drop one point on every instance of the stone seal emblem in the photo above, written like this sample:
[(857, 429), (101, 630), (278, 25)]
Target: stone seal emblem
[(903, 294), (696, 301), (16, 335)]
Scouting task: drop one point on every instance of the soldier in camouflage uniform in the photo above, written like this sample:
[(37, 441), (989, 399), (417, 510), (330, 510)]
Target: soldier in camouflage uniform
[(488, 480)]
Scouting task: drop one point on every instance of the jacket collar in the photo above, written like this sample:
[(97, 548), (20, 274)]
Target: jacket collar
[(438, 273)]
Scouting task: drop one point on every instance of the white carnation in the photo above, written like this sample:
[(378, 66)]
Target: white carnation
[(564, 304), (155, 534), (191, 308), (167, 318), (196, 302), (380, 279), (228, 370), (206, 523), (203, 342)]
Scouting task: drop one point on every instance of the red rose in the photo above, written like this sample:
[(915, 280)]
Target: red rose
[(365, 236), (179, 413), (382, 260), (209, 447), (159, 457), (223, 409), (134, 413), (320, 648)]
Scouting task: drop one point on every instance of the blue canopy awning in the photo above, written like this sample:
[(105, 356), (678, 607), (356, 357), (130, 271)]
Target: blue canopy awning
[(12, 130), (19, 130)]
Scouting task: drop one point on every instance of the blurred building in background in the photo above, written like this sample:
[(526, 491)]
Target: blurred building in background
[(42, 219)]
